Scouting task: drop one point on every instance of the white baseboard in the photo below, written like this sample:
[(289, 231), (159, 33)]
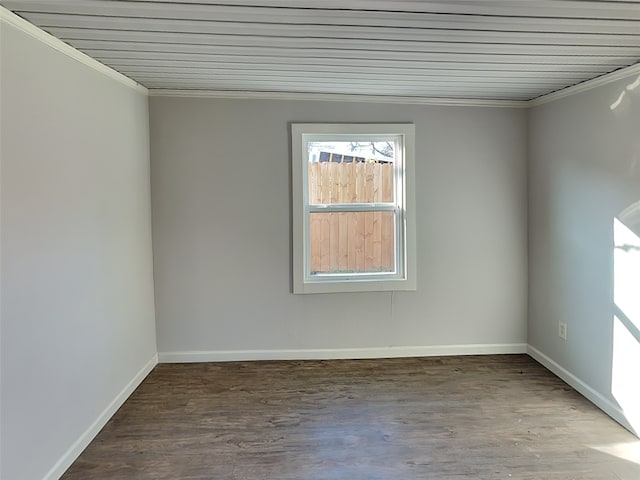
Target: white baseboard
[(599, 400), (89, 434), (338, 353)]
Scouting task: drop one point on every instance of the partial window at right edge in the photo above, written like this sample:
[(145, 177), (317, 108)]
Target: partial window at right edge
[(353, 207)]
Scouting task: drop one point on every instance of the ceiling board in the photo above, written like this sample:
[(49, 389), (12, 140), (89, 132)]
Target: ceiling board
[(462, 49)]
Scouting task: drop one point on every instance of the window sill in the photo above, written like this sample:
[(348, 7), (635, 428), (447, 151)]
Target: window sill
[(349, 286)]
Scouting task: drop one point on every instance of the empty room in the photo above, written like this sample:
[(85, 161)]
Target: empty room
[(320, 240)]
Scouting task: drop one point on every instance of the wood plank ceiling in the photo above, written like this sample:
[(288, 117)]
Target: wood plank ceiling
[(483, 49)]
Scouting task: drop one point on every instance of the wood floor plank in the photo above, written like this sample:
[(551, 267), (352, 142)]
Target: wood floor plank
[(444, 418)]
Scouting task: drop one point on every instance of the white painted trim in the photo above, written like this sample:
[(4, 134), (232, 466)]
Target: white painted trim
[(339, 98), (10, 18), (339, 353), (89, 434), (587, 85), (599, 400), (404, 277)]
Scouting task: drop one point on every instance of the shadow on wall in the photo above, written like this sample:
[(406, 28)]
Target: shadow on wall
[(625, 370)]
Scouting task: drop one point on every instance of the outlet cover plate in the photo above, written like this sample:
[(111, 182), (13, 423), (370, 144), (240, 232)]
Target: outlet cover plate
[(562, 330)]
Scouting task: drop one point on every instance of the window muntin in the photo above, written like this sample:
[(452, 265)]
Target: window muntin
[(354, 221)]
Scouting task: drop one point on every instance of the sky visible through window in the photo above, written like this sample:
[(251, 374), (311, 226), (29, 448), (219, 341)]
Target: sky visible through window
[(371, 151)]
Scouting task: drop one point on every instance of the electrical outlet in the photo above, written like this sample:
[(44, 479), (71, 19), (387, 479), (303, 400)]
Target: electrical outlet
[(562, 330)]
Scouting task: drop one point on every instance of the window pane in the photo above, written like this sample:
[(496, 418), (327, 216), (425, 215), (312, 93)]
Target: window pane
[(352, 242), (342, 172)]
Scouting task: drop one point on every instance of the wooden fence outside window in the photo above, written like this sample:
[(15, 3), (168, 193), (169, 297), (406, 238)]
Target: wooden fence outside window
[(351, 241)]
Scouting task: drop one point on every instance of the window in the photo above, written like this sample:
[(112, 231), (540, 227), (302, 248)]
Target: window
[(353, 207)]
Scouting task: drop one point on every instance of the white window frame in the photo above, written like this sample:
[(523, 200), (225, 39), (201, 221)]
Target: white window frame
[(404, 206)]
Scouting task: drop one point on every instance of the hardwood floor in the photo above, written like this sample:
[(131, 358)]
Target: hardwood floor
[(441, 418)]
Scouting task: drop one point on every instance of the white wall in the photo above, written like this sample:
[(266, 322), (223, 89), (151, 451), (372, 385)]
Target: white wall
[(221, 225), (77, 290), (584, 169)]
